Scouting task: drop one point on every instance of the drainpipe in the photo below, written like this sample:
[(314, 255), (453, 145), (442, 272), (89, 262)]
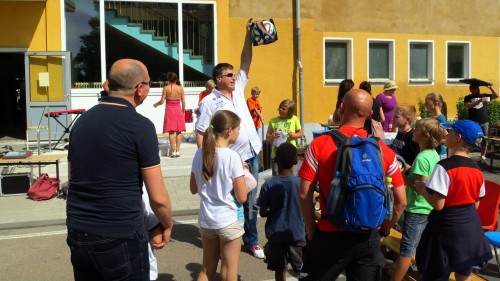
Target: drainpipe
[(299, 62)]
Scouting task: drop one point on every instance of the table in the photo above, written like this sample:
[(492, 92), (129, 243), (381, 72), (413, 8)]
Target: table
[(492, 138), (35, 160), (56, 114), (389, 137), (325, 125), (494, 154), (495, 130)]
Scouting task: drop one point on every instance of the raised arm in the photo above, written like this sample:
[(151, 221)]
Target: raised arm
[(246, 52), (493, 92)]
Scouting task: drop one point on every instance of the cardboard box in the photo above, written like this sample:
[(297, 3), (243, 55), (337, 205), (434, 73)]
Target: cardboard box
[(15, 184)]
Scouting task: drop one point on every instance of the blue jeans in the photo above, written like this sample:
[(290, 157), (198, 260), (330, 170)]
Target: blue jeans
[(413, 226), (96, 257), (251, 238)]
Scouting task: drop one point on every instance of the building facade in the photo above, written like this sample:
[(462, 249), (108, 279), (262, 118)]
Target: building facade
[(58, 55)]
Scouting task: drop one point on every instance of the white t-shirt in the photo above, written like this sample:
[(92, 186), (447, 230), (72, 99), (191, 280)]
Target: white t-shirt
[(248, 138), (150, 221), (218, 206)]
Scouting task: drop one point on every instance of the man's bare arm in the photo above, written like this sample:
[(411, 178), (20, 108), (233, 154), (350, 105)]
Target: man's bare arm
[(306, 192), (159, 200), (199, 138), (246, 52), (493, 92)]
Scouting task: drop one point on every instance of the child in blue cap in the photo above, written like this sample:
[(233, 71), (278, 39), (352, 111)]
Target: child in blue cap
[(453, 240)]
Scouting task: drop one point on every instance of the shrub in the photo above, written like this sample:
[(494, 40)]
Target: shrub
[(462, 112), (493, 111), (423, 111)]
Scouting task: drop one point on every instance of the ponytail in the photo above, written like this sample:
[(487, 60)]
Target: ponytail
[(208, 152)]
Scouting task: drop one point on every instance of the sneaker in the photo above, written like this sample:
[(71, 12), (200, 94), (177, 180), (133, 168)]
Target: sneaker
[(257, 252)]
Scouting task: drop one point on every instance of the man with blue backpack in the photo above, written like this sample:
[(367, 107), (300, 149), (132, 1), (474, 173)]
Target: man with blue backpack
[(357, 206)]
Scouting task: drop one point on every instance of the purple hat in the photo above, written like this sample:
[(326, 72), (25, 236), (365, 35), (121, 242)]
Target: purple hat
[(469, 130)]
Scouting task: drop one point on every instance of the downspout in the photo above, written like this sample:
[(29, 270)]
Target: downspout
[(299, 62)]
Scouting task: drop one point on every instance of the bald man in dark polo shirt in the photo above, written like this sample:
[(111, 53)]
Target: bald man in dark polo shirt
[(112, 150)]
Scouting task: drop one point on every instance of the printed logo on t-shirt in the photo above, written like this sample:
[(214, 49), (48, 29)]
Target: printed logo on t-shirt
[(220, 103), (397, 145), (479, 105)]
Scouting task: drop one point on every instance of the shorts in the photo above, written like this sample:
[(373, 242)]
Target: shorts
[(279, 254), (413, 226), (486, 128), (228, 233)]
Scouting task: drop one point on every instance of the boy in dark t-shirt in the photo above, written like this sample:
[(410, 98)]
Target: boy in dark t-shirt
[(279, 202), (404, 115), (477, 105)]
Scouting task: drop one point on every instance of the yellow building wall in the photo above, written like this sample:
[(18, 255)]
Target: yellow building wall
[(35, 26), (274, 66), (53, 66)]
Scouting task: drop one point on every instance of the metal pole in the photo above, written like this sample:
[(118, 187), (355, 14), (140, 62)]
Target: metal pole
[(299, 61)]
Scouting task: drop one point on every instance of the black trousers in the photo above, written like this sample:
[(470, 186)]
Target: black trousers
[(330, 253)]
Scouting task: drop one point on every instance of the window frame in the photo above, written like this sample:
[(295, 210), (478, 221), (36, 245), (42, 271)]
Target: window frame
[(349, 59), (391, 63), (180, 3), (467, 61), (430, 63)]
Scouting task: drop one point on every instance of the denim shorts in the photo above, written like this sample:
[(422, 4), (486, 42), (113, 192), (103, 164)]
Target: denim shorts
[(413, 226)]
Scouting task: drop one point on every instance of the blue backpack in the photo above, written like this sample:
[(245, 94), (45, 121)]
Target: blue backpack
[(358, 200)]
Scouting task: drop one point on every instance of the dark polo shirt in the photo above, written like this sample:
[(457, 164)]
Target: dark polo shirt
[(109, 144)]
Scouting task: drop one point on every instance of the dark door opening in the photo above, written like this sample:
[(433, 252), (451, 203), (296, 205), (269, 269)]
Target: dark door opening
[(12, 96)]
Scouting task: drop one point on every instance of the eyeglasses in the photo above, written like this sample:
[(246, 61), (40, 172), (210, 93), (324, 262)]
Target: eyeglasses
[(144, 83), (229, 75)]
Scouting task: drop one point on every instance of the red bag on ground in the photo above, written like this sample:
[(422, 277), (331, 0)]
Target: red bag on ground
[(44, 188)]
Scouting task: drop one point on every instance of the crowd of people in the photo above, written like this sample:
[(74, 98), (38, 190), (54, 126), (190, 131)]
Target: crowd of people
[(113, 159)]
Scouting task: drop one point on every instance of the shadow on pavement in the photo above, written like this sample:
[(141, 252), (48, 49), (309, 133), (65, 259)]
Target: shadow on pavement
[(187, 233)]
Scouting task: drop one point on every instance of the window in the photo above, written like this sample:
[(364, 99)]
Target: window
[(421, 57), (337, 59), (165, 35), (380, 60), (82, 40), (457, 61)]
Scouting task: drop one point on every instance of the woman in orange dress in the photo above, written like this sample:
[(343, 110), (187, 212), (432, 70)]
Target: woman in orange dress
[(174, 121)]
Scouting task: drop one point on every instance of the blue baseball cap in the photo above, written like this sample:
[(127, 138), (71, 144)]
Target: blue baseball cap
[(469, 130)]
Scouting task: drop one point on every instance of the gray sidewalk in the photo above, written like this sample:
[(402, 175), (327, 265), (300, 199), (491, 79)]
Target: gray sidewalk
[(18, 211)]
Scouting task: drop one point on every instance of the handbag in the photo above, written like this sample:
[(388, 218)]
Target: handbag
[(44, 188)]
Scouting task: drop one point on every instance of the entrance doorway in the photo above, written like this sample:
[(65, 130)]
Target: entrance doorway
[(12, 96)]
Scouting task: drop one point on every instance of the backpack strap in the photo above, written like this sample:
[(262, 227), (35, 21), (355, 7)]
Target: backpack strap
[(340, 140)]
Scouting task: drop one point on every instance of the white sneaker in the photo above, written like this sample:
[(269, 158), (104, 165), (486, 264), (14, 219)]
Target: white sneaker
[(257, 252), (483, 159)]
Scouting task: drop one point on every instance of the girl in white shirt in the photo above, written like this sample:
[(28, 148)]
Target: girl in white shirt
[(217, 176)]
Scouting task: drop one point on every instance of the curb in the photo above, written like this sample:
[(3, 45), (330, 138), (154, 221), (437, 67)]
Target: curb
[(62, 221)]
